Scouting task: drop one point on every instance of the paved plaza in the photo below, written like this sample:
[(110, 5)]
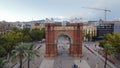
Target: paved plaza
[(82, 64), (89, 60), (47, 63), (63, 63)]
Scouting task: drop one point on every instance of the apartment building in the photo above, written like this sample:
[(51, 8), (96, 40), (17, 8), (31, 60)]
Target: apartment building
[(108, 27)]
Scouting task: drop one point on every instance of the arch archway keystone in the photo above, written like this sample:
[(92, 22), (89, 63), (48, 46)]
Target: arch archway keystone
[(73, 30)]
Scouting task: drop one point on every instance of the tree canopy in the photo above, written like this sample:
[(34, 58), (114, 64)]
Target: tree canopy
[(37, 34), (9, 40), (113, 39)]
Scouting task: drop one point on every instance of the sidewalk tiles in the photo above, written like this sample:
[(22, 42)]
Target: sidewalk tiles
[(47, 63), (82, 64)]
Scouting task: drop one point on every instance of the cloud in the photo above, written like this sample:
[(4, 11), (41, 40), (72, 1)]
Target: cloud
[(61, 9)]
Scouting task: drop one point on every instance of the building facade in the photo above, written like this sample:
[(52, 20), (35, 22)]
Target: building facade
[(5, 27), (108, 27), (89, 31), (37, 25), (117, 27)]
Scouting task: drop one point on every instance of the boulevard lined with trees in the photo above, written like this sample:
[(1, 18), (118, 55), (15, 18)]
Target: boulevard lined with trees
[(18, 45)]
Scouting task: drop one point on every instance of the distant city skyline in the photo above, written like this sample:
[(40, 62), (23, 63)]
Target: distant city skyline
[(27, 10)]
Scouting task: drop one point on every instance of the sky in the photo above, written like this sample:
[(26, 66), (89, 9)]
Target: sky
[(27, 10)]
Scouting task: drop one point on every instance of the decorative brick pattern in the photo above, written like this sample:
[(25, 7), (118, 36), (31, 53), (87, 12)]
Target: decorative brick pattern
[(74, 31)]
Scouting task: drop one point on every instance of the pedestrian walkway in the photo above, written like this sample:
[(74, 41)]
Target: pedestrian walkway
[(63, 62), (102, 58), (47, 63), (82, 64), (16, 65)]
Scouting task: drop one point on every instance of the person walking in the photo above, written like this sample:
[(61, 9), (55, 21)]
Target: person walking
[(80, 60), (87, 58), (75, 66)]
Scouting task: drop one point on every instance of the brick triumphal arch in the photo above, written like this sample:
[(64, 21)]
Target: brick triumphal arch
[(71, 30)]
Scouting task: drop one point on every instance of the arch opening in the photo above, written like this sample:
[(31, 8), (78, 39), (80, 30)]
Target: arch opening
[(63, 42)]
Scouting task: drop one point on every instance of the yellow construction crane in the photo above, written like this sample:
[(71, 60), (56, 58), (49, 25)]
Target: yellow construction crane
[(105, 11)]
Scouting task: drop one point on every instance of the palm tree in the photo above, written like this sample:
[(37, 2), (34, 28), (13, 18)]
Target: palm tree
[(31, 53), (3, 63), (19, 53)]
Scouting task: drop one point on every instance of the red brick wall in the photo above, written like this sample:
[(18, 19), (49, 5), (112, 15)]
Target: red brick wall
[(75, 35)]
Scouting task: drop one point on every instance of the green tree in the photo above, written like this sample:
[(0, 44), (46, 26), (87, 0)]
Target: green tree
[(26, 35), (37, 34), (31, 53), (16, 29), (19, 53), (10, 40), (2, 49), (113, 39), (108, 50), (88, 37), (109, 44), (43, 32), (3, 63)]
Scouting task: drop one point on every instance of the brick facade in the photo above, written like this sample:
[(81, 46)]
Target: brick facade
[(73, 30)]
